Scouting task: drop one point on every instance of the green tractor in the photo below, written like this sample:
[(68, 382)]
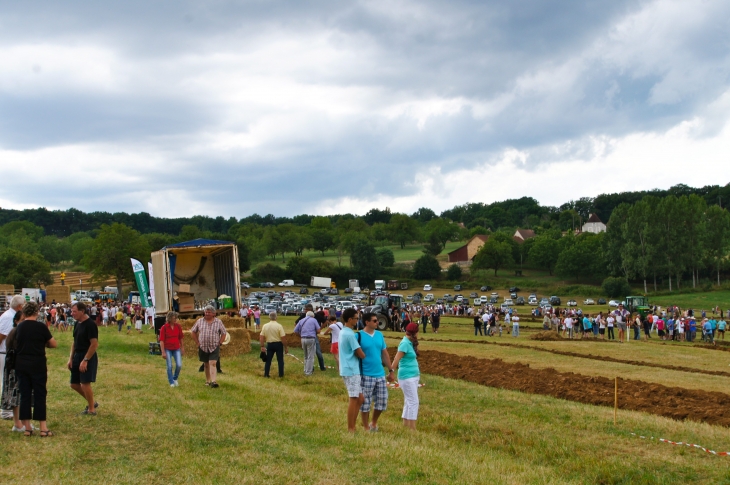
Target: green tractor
[(379, 305), (637, 304)]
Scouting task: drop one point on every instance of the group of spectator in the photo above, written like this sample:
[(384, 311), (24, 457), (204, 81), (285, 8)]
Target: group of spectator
[(24, 337)]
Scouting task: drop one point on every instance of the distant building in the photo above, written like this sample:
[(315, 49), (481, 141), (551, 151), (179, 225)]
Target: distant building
[(522, 235), (594, 225), (468, 250)]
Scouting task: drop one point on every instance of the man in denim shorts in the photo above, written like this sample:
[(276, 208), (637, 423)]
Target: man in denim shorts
[(350, 355), (374, 387)]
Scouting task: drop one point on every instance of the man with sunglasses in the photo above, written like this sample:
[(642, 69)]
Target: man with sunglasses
[(374, 386)]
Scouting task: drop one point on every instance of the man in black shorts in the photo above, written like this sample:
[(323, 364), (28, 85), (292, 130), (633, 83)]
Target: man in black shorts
[(83, 361)]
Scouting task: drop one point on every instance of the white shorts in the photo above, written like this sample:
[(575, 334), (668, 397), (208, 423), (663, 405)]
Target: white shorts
[(353, 385), (138, 324)]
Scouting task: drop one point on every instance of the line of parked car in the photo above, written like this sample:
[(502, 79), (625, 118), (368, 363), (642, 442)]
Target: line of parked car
[(290, 303)]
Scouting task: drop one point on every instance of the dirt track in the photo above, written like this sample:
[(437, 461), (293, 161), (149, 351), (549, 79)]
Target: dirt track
[(672, 402), (590, 356)]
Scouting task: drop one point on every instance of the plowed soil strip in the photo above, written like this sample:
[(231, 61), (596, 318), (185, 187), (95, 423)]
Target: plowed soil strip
[(587, 356), (671, 402)]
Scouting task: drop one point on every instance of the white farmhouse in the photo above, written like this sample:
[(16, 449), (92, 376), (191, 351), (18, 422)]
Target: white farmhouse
[(594, 225)]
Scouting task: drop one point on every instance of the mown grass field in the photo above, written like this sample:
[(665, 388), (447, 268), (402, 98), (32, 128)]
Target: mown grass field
[(293, 430)]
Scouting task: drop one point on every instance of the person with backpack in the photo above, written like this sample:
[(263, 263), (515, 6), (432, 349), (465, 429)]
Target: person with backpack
[(350, 356)]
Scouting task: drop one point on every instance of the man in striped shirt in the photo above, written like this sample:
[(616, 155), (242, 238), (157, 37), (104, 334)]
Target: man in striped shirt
[(209, 333)]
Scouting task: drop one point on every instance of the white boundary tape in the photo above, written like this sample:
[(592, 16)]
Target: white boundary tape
[(301, 362), (680, 443)]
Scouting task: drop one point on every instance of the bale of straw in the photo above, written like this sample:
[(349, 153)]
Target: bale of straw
[(62, 294), (240, 343), (228, 322), (7, 289)]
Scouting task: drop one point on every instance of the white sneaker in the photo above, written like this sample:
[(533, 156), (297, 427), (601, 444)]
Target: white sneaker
[(176, 384), (172, 385), (18, 430)]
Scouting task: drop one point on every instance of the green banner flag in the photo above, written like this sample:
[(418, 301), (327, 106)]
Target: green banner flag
[(141, 279)]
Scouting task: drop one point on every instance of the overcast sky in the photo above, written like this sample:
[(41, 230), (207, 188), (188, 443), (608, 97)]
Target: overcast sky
[(235, 107)]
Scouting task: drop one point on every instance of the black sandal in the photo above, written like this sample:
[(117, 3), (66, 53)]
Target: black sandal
[(27, 433), (47, 433)]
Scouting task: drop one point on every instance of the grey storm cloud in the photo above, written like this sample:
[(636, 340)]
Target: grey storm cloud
[(225, 91)]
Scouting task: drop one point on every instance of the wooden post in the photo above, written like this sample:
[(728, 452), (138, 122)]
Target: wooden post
[(615, 401)]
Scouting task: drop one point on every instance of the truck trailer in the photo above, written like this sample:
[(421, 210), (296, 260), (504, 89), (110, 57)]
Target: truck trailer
[(190, 274), (320, 282)]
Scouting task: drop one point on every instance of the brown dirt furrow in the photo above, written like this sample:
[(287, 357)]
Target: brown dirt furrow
[(591, 356), (672, 402)]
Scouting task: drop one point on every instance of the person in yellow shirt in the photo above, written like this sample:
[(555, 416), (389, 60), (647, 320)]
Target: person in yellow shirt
[(119, 317), (128, 320), (272, 340)]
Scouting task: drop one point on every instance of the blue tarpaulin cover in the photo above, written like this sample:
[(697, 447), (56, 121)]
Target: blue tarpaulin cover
[(197, 243)]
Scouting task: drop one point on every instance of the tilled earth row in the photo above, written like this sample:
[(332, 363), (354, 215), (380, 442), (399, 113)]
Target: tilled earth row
[(672, 402), (589, 356)]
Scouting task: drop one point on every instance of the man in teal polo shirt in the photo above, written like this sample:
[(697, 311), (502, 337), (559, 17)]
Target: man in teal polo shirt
[(350, 355)]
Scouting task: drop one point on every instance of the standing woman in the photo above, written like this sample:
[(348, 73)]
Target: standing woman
[(32, 338), (409, 374), (171, 345)]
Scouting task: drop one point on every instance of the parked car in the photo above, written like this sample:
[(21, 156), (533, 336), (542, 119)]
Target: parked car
[(427, 288), (348, 290), (409, 297), (572, 303), (554, 300), (514, 289), (494, 293), (601, 301), (508, 302), (429, 297), (459, 298), (303, 291), (513, 295), (613, 303), (485, 288), (473, 294), (449, 299), (589, 301), (483, 299), (457, 287), (532, 301), (546, 308), (493, 299), (334, 291), (520, 300), (544, 301), (245, 285)]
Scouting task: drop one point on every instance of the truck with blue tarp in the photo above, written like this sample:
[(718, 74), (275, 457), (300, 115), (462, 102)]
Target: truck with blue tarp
[(189, 275)]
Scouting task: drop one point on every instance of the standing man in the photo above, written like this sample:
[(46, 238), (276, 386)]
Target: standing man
[(6, 325), (350, 355), (321, 319), (83, 361), (374, 386), (307, 329), (209, 333), (272, 342)]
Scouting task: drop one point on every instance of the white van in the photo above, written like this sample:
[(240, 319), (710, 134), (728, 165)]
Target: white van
[(287, 283)]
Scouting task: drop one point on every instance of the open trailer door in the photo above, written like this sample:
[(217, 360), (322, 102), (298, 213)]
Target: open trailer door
[(162, 282)]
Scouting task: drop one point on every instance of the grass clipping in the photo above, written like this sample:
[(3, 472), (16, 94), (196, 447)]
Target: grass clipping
[(240, 343)]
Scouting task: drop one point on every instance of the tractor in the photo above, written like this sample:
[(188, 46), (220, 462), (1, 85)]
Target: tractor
[(380, 303), (637, 304)]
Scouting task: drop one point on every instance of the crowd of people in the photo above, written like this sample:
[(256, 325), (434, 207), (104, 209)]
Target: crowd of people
[(24, 337)]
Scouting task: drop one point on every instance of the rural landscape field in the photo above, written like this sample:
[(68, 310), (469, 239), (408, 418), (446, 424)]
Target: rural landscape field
[(494, 409)]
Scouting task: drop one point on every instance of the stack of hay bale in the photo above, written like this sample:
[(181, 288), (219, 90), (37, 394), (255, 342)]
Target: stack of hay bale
[(240, 342), (59, 293)]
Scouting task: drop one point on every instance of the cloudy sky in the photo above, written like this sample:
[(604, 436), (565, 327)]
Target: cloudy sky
[(234, 107)]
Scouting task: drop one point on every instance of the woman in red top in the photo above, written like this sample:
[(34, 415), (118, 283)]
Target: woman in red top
[(171, 336)]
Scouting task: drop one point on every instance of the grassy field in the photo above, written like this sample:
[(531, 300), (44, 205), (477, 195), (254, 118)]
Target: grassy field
[(293, 430)]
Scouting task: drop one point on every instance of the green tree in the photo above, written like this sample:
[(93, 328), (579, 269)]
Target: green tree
[(111, 251), (495, 254), (299, 269), (717, 236), (441, 231), (615, 240), (639, 247), (403, 229), (453, 273), (426, 268), (54, 249), (544, 253), (616, 287), (24, 270), (583, 259), (244, 259), (364, 260), (433, 246), (385, 257)]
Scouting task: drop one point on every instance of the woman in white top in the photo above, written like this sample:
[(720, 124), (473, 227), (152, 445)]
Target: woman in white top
[(601, 325), (334, 329), (609, 324)]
